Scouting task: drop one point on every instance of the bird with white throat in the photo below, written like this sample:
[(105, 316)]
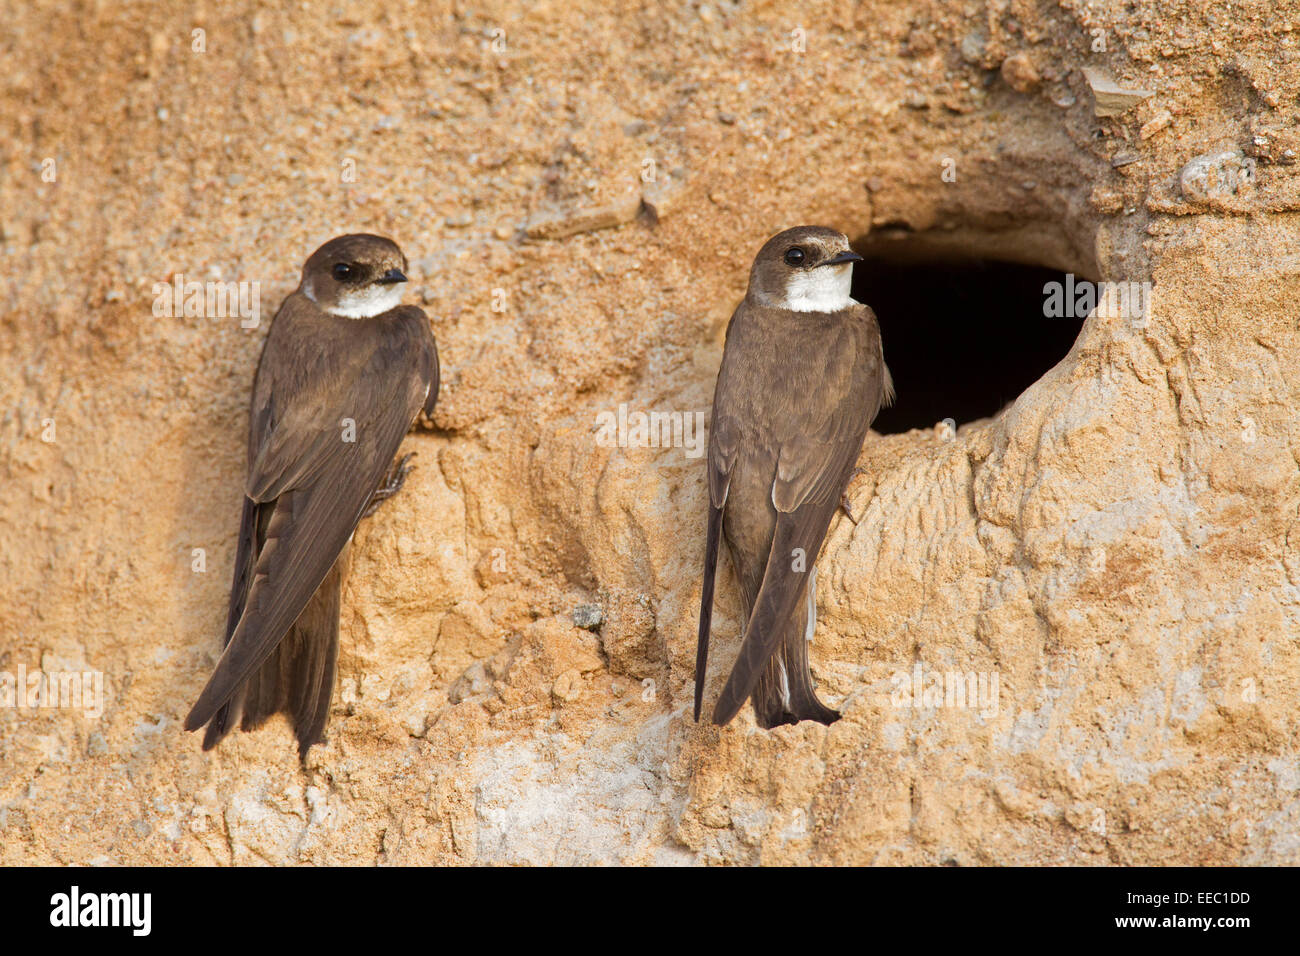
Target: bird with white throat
[(802, 377)]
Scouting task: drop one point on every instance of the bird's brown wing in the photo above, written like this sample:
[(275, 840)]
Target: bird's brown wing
[(818, 444), (724, 442), (252, 535), (307, 486), (431, 371)]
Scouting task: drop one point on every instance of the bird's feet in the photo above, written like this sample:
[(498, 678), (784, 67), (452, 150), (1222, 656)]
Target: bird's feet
[(844, 498), (393, 482)]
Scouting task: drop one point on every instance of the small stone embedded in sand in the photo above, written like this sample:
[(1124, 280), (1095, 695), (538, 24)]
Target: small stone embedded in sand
[(567, 687), (589, 617), (1110, 98), (661, 197), (1215, 176), (471, 683), (1019, 72), (1155, 124), (574, 221), (973, 46)]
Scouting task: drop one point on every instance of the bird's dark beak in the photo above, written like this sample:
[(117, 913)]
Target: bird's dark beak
[(848, 255), (391, 276)]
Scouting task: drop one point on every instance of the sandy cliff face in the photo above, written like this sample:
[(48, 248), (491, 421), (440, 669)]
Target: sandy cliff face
[(1117, 548)]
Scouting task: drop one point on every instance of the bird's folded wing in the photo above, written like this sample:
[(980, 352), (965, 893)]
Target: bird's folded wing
[(317, 473), (815, 460), (723, 444)]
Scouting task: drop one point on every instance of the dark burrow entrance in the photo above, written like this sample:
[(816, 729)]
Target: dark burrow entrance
[(963, 337)]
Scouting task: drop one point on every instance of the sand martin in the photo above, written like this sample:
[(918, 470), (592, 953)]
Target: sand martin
[(344, 371), (802, 377)]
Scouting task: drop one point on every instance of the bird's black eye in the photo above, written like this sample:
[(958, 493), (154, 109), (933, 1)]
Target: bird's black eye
[(794, 256), (342, 271)]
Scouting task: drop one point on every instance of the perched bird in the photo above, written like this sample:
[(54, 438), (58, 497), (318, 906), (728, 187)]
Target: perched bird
[(802, 377), (344, 371)]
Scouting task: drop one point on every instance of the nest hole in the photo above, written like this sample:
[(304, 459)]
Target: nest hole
[(964, 335)]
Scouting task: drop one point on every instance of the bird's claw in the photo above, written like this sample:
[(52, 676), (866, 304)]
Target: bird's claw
[(393, 482), (844, 498)]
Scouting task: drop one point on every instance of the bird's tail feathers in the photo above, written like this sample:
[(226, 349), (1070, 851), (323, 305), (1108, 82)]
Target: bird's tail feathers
[(296, 680), (785, 693)]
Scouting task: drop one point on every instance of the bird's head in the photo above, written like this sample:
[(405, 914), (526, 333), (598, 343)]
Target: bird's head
[(805, 269), (358, 276)]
